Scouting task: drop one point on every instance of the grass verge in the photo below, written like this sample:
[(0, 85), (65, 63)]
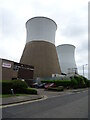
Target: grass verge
[(10, 95)]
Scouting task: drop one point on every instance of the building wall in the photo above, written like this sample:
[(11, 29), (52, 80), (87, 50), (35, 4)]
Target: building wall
[(66, 56), (40, 50), (7, 71), (41, 28), (15, 74), (0, 69), (11, 70), (25, 74), (43, 56)]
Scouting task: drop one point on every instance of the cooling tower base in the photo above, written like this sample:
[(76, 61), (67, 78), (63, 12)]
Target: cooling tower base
[(43, 56)]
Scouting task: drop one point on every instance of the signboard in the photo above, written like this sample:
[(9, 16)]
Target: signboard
[(6, 65)]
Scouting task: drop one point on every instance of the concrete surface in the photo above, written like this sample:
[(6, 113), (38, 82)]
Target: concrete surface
[(18, 99), (74, 105), (41, 94)]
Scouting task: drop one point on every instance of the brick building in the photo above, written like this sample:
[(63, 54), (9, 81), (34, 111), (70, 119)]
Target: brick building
[(10, 70)]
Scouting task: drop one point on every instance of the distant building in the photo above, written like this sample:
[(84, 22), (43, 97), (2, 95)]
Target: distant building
[(10, 70)]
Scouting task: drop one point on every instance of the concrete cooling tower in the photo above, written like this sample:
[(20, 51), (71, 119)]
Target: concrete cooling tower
[(40, 50), (66, 58)]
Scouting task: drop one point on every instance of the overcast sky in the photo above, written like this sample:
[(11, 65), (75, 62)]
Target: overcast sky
[(71, 17)]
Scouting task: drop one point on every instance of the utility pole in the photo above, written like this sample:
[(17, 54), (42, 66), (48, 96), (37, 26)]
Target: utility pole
[(83, 68)]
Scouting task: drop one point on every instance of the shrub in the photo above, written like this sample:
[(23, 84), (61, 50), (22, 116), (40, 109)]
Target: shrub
[(64, 83), (86, 81), (60, 88), (6, 87), (74, 83), (30, 91), (80, 80), (18, 86)]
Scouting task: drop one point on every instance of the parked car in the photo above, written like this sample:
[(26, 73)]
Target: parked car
[(36, 85), (50, 85), (41, 85)]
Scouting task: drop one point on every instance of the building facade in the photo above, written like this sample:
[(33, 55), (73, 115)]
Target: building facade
[(10, 70)]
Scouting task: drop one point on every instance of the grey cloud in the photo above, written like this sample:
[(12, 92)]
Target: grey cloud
[(11, 26), (71, 21), (82, 51), (74, 29), (83, 47)]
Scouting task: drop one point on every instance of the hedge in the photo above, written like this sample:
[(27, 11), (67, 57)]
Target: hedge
[(6, 87), (60, 88), (18, 86), (31, 91), (82, 82), (75, 82), (87, 82), (64, 83)]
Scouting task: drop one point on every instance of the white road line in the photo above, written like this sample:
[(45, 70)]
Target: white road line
[(70, 93), (45, 97), (85, 91), (11, 105), (78, 92)]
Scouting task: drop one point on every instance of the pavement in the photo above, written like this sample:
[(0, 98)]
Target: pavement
[(41, 94), (54, 93), (18, 99)]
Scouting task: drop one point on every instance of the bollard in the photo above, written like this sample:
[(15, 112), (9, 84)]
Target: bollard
[(12, 91)]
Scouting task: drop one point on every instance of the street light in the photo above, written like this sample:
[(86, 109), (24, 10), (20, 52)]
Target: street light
[(83, 68)]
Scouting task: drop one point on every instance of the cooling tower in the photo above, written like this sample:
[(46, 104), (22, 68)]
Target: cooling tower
[(66, 58), (40, 50)]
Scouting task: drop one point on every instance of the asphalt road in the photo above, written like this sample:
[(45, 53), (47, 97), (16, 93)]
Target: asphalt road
[(74, 105)]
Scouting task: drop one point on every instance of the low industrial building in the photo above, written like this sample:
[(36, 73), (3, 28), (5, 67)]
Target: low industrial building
[(10, 70)]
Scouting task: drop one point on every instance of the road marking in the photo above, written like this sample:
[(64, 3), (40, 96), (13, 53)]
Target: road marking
[(78, 92), (15, 104), (81, 91), (70, 93), (44, 98), (67, 93), (85, 91)]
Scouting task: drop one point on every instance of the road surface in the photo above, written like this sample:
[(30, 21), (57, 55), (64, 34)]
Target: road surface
[(74, 105)]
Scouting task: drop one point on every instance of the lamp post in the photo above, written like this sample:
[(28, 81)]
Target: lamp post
[(83, 68)]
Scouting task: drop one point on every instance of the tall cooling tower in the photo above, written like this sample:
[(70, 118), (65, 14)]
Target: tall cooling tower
[(66, 58), (40, 50)]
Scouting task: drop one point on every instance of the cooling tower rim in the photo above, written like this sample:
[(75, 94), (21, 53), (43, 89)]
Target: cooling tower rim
[(42, 17), (43, 41), (66, 45)]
